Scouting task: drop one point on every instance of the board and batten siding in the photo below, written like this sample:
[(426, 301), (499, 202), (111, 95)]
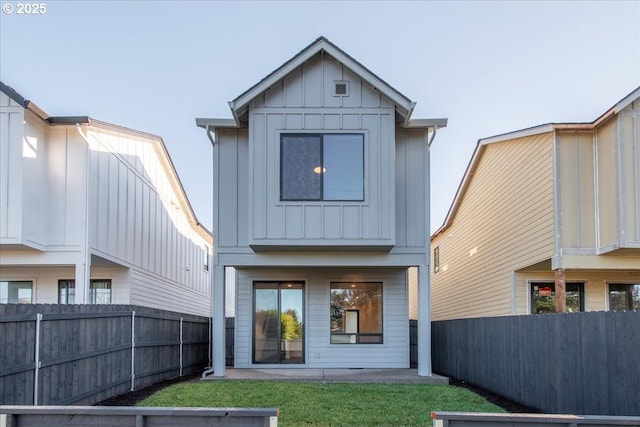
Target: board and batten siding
[(319, 353), (505, 223), (629, 158), (137, 220), (11, 170), (576, 190), (301, 103), (608, 222)]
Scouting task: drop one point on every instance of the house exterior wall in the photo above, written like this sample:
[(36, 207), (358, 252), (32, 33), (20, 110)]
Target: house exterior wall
[(299, 104), (496, 232), (595, 286), (110, 201), (393, 353)]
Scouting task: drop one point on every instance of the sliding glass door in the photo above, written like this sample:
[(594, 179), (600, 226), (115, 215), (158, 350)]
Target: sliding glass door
[(278, 322)]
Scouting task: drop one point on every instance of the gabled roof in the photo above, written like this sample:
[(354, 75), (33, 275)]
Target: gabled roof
[(86, 120), (535, 130), (239, 106)]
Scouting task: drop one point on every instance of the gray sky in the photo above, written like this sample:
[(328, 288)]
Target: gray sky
[(489, 67)]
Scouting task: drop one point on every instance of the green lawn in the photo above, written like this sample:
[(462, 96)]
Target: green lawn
[(328, 404)]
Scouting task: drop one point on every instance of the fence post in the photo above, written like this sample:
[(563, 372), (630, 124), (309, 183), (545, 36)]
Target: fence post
[(133, 349), (181, 342), (36, 373)]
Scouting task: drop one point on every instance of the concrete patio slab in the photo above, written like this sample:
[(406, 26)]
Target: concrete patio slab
[(397, 376)]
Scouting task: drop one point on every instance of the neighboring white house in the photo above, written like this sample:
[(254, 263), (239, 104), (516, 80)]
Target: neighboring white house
[(321, 195), (92, 212)]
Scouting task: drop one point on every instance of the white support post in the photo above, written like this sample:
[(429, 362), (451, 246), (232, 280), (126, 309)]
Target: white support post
[(424, 322), (36, 374), (218, 321)]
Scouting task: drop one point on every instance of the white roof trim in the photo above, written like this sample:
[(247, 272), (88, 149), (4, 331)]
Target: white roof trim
[(216, 123), (536, 130), (404, 104), (624, 102)]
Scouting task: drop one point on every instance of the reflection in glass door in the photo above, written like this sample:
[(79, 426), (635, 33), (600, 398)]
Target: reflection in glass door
[(278, 327)]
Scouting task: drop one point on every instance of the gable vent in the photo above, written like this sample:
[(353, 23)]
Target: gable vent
[(341, 88)]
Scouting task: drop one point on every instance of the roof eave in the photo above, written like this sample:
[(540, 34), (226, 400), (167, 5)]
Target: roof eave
[(240, 104)]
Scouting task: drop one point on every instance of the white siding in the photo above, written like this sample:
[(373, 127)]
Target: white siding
[(138, 220), (11, 138), (394, 353)]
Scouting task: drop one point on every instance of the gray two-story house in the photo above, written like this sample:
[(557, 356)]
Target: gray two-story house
[(321, 205)]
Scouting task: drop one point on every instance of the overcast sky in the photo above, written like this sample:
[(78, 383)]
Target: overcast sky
[(489, 67)]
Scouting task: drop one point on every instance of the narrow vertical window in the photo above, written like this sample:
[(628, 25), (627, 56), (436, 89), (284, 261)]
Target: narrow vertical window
[(66, 291), (436, 259), (100, 292), (205, 261)]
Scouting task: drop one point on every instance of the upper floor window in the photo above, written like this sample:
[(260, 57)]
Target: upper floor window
[(322, 167), (18, 292), (624, 297), (436, 259)]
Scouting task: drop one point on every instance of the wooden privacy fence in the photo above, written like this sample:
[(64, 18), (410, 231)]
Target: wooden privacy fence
[(83, 354), (470, 419), (576, 363), (32, 416)]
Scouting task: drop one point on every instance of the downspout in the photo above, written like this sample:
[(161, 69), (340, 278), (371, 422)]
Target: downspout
[(210, 370), (87, 255), (433, 136)]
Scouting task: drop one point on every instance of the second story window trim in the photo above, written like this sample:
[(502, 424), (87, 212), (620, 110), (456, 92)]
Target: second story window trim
[(322, 167)]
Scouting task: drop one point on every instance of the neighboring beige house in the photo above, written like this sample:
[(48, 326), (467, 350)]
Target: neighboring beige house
[(541, 206), (92, 212)]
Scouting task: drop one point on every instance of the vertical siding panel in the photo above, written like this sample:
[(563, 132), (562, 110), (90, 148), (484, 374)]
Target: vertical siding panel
[(274, 97), (401, 178), (243, 187), (275, 212), (332, 71), (293, 94), (332, 222), (228, 193), (313, 222), (607, 185), (354, 100), (312, 75), (294, 222), (259, 183), (351, 216), (370, 96), (371, 226)]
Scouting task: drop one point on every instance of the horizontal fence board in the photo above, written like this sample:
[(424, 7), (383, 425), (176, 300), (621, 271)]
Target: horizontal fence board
[(580, 363), (85, 350)]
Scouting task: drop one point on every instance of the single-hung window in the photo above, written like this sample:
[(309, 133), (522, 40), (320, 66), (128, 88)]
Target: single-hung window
[(322, 167)]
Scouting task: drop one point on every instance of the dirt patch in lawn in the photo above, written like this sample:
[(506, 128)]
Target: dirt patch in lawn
[(496, 399)]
